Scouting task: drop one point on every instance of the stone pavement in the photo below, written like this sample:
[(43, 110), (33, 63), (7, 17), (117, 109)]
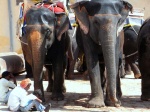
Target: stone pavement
[(78, 92)]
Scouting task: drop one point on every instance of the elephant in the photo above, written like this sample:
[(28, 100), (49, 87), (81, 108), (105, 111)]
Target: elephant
[(143, 43), (130, 49), (45, 43), (99, 29)]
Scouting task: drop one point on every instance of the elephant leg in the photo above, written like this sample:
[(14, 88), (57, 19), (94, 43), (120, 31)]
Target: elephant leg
[(135, 70), (119, 91), (145, 86), (127, 68), (121, 67), (145, 72), (58, 85), (103, 77), (70, 70), (28, 70), (83, 66), (97, 99), (122, 71), (71, 63), (42, 89), (64, 69), (50, 78)]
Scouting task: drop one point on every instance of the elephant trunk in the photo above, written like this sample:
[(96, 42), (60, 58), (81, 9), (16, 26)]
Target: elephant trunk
[(108, 46), (37, 45), (109, 57)]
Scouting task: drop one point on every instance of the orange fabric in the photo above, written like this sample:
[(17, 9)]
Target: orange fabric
[(25, 82)]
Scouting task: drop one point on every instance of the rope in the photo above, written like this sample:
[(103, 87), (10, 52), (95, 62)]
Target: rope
[(23, 42), (134, 30), (130, 54), (74, 32)]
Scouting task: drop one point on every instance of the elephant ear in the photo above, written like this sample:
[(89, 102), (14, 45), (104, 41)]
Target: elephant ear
[(127, 7), (81, 15), (62, 25)]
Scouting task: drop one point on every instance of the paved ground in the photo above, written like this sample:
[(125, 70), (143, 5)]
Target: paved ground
[(78, 92)]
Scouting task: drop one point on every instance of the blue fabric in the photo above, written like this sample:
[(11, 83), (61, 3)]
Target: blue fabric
[(70, 27), (24, 28), (7, 96), (32, 103), (21, 13)]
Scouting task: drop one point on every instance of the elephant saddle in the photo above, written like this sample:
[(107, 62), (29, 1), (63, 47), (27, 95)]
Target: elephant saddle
[(57, 8)]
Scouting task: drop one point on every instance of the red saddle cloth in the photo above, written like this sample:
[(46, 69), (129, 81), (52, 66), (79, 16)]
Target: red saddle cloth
[(56, 7)]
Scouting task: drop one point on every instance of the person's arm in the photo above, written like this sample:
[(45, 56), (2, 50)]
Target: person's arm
[(39, 100), (33, 97), (14, 79)]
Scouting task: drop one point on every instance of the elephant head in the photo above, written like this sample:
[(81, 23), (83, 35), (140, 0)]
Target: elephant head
[(43, 28), (102, 20)]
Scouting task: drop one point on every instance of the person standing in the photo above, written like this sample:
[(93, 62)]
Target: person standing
[(6, 85)]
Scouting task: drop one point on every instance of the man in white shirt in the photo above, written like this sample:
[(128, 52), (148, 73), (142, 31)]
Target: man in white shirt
[(5, 85), (20, 100)]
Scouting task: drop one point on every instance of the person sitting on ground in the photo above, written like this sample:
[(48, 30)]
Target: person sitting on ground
[(38, 94), (6, 85), (19, 99)]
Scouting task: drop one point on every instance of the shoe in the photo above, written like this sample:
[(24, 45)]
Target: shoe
[(48, 107)]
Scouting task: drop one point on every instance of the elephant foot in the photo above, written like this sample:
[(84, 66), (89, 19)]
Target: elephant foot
[(117, 104), (95, 102), (144, 98), (109, 103), (137, 76), (57, 96)]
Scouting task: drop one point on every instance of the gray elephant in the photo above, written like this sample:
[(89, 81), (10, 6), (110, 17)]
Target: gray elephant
[(100, 22), (144, 58), (45, 42)]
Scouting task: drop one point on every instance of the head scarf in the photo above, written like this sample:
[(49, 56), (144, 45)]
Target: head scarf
[(25, 82)]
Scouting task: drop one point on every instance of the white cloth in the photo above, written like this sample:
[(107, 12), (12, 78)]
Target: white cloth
[(25, 100), (4, 87), (16, 96)]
